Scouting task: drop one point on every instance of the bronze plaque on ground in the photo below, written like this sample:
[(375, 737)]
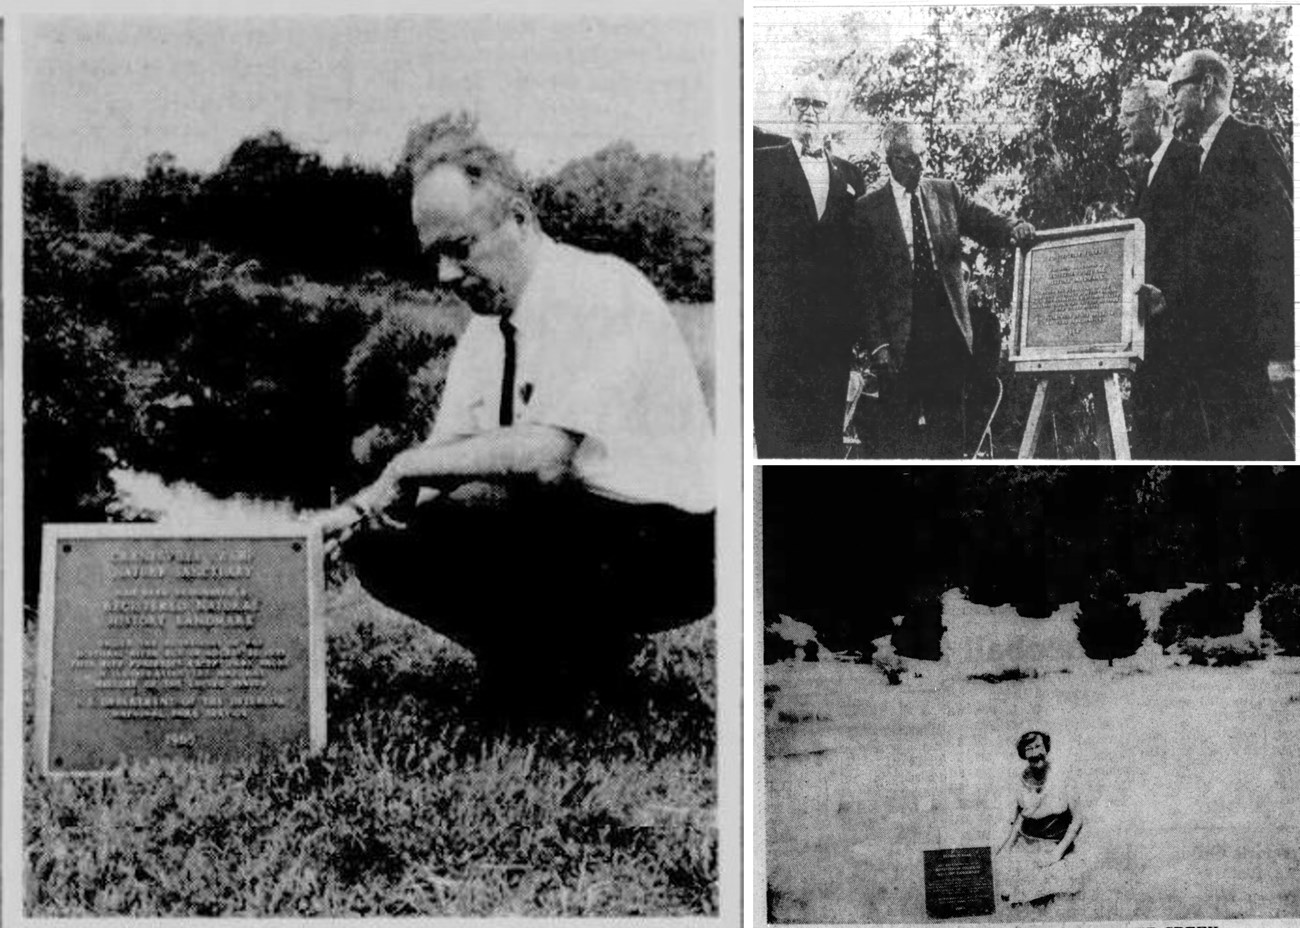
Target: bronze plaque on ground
[(155, 642), (959, 882), (1076, 299)]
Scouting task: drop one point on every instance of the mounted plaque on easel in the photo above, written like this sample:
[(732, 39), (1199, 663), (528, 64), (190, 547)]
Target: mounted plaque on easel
[(1075, 311)]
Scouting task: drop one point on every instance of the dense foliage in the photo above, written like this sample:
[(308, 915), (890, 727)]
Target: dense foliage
[(1110, 626), (273, 202), (1036, 538), (1217, 610), (1280, 618), (653, 211), (920, 634), (1020, 105), (266, 329)]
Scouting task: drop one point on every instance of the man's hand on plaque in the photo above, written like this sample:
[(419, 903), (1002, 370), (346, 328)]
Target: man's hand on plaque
[(1151, 302), (1023, 235)]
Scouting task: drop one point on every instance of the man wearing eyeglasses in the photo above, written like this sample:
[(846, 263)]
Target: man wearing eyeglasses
[(803, 197), (563, 502), (1237, 314)]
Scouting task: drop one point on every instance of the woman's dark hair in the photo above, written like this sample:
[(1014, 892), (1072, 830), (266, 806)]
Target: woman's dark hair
[(1028, 737)]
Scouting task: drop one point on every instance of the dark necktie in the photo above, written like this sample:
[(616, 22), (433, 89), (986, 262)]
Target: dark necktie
[(922, 262), (507, 416)]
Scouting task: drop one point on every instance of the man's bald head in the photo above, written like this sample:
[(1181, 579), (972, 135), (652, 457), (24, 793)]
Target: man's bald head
[(446, 192), (1200, 90), (453, 140), (472, 214), (1199, 64)]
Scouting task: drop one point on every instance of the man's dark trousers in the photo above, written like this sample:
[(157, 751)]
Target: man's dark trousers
[(541, 575), (925, 401)]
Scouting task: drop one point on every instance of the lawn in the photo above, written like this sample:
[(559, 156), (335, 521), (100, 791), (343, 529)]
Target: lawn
[(414, 808), (1190, 778)]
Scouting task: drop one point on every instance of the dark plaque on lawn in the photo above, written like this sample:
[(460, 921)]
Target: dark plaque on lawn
[(156, 642), (1076, 298), (959, 882)]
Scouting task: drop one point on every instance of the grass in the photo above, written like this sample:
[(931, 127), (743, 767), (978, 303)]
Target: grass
[(413, 808), (1189, 779)]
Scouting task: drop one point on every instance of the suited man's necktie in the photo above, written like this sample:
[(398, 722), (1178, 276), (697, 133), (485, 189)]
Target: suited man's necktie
[(507, 415), (922, 260)]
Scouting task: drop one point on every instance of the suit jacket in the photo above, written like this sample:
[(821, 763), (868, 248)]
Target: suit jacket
[(802, 330), (1165, 208), (883, 264), (1239, 296)]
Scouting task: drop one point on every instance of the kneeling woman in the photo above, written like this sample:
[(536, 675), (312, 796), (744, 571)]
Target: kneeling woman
[(1037, 858)]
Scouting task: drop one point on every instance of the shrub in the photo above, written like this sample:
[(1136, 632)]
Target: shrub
[(921, 632), (1013, 673), (394, 379), (74, 414), (252, 398), (1209, 653), (1212, 612), (651, 210), (1280, 615), (1109, 625), (776, 648)]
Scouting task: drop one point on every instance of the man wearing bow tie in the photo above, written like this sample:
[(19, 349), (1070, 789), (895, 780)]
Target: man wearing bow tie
[(803, 331), (910, 290), (1237, 311), (1167, 168), (563, 501)]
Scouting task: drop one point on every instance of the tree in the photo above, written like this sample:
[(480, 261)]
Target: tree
[(920, 634), (1019, 105), (1280, 617), (74, 416), (50, 196), (280, 204), (1214, 611), (651, 210), (1109, 625)]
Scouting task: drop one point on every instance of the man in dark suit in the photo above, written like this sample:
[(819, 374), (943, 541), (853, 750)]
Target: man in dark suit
[(1167, 170), (1236, 313), (908, 283), (803, 334)]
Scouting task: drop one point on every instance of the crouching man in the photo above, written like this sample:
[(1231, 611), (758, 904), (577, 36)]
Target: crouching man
[(563, 502)]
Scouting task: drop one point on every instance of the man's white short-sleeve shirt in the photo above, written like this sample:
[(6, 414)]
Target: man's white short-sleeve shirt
[(597, 354)]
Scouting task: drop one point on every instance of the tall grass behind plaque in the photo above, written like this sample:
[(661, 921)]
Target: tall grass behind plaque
[(163, 643)]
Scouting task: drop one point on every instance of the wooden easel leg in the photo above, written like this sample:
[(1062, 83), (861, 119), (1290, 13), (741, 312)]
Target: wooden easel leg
[(1034, 424), (1115, 418)]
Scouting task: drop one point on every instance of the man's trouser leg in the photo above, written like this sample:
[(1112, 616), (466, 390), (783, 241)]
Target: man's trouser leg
[(560, 572)]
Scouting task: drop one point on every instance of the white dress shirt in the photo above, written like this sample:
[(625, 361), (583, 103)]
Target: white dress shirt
[(600, 356), (903, 200), (1210, 134), (817, 168), (1157, 158)]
